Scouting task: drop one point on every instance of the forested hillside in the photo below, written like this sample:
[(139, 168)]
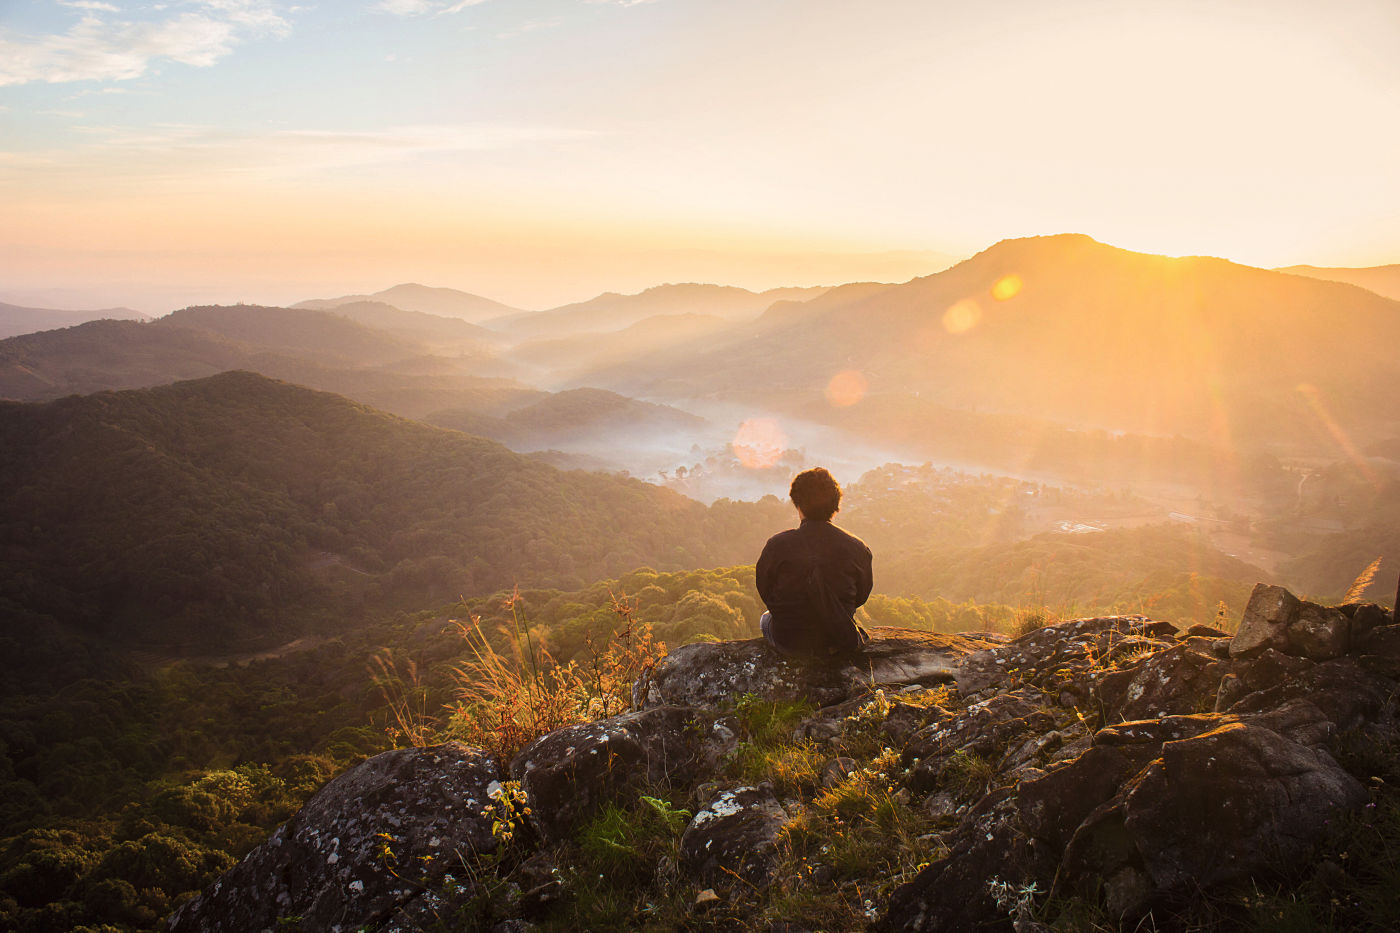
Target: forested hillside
[(194, 517)]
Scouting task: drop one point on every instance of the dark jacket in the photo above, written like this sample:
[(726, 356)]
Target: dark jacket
[(788, 572)]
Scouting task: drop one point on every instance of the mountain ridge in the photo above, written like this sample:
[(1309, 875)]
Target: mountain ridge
[(16, 320), (410, 296)]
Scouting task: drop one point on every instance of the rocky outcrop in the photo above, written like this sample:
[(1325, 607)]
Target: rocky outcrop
[(1113, 759), (1277, 619), (568, 774), (1164, 799), (362, 850), (709, 675)]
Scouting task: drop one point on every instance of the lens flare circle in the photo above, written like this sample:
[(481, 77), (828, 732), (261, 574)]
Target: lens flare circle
[(962, 317), (759, 443), (846, 388), (1007, 287)]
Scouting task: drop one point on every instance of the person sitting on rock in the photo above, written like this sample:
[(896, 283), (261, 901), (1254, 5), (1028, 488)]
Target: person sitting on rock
[(813, 578)]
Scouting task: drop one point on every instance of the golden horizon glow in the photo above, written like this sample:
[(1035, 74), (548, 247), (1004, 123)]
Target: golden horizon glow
[(146, 171)]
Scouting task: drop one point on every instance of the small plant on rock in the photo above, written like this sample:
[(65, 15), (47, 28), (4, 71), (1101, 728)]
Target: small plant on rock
[(966, 774)]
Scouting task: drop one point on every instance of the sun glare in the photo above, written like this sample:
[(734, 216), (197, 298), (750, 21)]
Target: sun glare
[(962, 317), (759, 443), (846, 388)]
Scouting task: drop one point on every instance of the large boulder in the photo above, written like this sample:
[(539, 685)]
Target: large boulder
[(571, 772), (1319, 632), (1231, 803), (362, 850), (1276, 619), (1265, 623), (712, 675)]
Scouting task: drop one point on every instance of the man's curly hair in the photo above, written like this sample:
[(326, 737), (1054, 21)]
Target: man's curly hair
[(816, 494)]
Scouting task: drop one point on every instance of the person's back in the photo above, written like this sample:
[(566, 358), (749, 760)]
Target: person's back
[(813, 578)]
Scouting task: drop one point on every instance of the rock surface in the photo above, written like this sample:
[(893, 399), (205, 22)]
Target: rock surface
[(733, 836), (361, 850), (712, 674), (1266, 619)]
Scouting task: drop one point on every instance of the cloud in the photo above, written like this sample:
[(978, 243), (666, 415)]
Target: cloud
[(103, 48), (195, 153), (89, 5), (620, 2), (421, 7), (534, 25), (406, 7)]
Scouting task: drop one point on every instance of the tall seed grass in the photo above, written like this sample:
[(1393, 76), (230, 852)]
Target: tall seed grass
[(505, 699)]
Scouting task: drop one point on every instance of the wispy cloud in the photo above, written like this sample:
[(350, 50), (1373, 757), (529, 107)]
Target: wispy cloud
[(620, 2), (196, 153), (534, 25), (90, 5), (104, 47), (424, 7)]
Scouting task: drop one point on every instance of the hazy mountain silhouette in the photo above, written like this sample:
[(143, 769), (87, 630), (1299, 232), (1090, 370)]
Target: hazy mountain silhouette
[(111, 355), (445, 302), (313, 348), (1383, 280), (16, 320), (611, 311), (315, 335), (1085, 333), (563, 360), (578, 414), (441, 333)]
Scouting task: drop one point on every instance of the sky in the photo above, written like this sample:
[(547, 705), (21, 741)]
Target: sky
[(155, 155)]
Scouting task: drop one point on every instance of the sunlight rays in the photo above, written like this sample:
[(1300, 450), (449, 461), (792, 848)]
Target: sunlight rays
[(1313, 397)]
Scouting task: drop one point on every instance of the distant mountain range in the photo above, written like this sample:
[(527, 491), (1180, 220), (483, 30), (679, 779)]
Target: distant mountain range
[(16, 320), (1383, 280), (611, 311), (231, 509), (389, 368), (1069, 329)]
